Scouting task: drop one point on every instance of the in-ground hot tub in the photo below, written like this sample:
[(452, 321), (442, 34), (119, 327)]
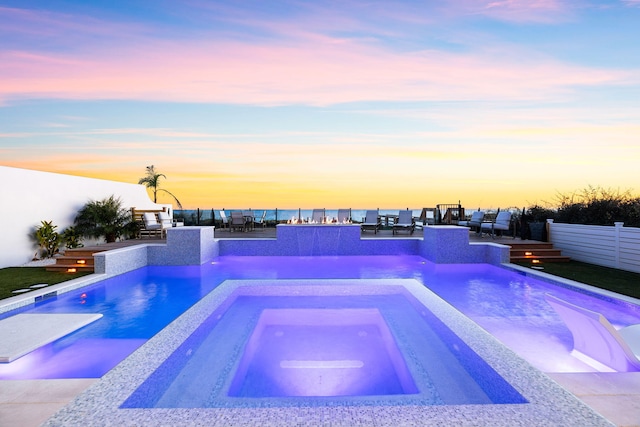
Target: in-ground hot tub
[(354, 343)]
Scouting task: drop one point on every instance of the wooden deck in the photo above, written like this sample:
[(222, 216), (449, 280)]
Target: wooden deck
[(81, 259)]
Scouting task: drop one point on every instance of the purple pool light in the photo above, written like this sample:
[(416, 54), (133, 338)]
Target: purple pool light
[(321, 352), (320, 342), (139, 304)]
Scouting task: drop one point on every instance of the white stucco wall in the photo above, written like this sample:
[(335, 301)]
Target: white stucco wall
[(28, 197)]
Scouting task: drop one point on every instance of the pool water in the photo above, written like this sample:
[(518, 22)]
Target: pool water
[(360, 344), (321, 352), (138, 304), (135, 307)]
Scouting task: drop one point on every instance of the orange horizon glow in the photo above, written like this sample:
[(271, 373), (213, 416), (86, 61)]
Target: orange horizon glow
[(220, 192)]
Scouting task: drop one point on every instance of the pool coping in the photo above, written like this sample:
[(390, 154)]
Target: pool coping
[(571, 284), (549, 404)]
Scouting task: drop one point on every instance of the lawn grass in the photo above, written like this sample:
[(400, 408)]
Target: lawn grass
[(620, 281), (13, 278)]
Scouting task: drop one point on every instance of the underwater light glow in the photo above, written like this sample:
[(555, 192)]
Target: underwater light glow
[(321, 352)]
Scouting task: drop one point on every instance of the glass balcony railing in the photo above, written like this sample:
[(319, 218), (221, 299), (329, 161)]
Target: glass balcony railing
[(441, 214)]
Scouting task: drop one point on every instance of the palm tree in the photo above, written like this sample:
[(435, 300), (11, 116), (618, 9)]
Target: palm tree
[(152, 181)]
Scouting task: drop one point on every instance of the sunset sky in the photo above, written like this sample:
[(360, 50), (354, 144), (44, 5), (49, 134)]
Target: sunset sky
[(362, 104)]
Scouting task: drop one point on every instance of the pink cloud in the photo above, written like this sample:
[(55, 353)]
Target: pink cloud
[(303, 65), (316, 72)]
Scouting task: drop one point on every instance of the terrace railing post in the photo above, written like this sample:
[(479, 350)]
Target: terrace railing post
[(198, 216)]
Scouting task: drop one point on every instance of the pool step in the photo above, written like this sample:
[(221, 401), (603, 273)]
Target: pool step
[(536, 253), (71, 268), (75, 260)]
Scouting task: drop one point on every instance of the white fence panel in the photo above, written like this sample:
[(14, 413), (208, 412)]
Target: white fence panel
[(630, 249), (616, 247)]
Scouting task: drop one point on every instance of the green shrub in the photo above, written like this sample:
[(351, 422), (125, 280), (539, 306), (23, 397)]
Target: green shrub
[(72, 238), (104, 218), (47, 238), (599, 206), (538, 213)]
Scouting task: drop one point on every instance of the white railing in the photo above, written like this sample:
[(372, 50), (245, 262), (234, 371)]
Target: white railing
[(615, 247)]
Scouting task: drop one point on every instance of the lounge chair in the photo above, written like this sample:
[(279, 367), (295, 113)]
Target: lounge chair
[(237, 221), (152, 226), (262, 221), (344, 216), (405, 222), (595, 338), (501, 224), (317, 217), (225, 220), (475, 222), (371, 222)]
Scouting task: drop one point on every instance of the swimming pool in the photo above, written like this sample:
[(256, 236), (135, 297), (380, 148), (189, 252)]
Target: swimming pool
[(114, 396), (137, 305)]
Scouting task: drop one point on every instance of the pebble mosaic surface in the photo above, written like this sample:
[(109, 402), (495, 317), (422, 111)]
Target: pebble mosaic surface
[(549, 404)]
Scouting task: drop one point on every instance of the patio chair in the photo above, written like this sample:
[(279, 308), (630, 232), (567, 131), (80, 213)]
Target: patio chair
[(317, 217), (371, 222), (152, 227), (475, 222), (595, 338), (249, 218), (237, 221), (262, 221), (344, 216), (405, 222), (501, 224), (165, 220)]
